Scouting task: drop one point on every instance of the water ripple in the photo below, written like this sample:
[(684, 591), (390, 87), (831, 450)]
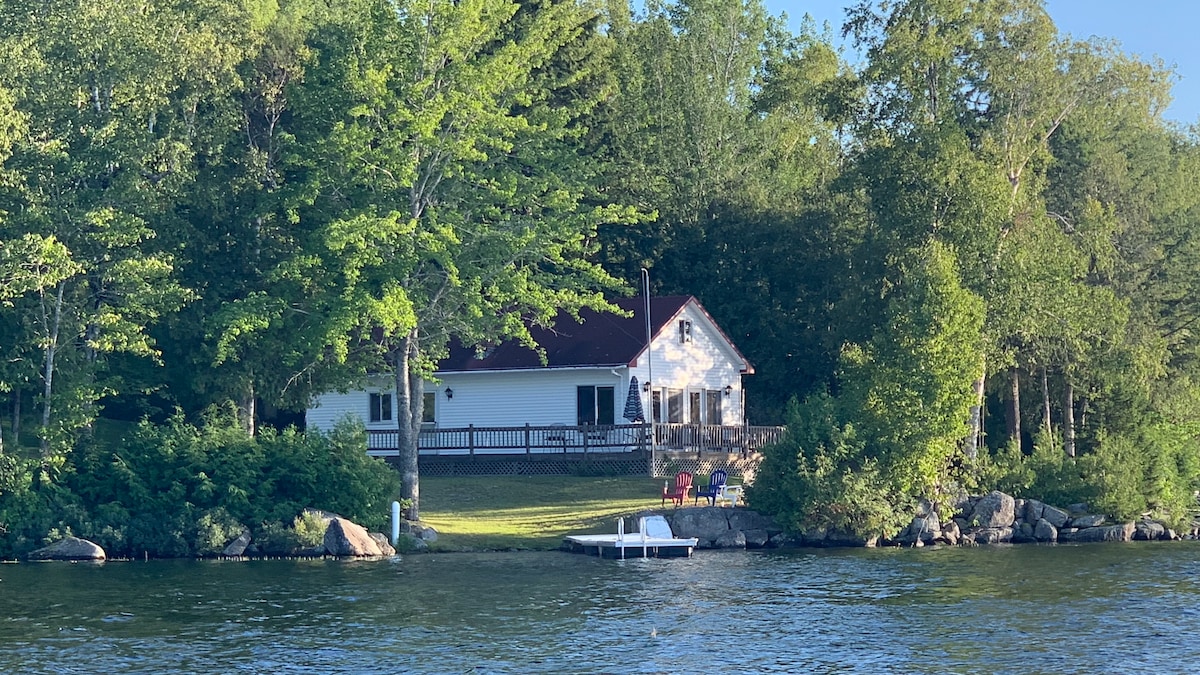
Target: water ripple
[(1067, 609)]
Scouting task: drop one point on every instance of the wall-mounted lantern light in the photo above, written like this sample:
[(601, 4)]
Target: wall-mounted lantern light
[(646, 386), (729, 390), (449, 393)]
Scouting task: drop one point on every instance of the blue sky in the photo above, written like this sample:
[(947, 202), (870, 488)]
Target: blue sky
[(1150, 28)]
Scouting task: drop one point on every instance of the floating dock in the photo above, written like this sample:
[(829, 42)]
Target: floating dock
[(653, 538)]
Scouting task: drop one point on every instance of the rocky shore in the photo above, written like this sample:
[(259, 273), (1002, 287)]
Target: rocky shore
[(994, 518), (343, 539), (997, 518)]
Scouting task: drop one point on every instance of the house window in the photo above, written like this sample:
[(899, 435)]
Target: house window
[(694, 408), (675, 406), (381, 407), (685, 331), (713, 407), (656, 406), (429, 400), (595, 405)]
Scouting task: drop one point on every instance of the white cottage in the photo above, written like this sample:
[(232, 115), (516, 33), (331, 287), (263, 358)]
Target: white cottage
[(691, 376)]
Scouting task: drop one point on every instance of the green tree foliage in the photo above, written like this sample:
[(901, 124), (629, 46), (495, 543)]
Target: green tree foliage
[(181, 490), (456, 184), (890, 437), (212, 203)]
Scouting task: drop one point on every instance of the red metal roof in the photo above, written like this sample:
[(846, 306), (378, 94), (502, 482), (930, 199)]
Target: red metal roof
[(602, 340)]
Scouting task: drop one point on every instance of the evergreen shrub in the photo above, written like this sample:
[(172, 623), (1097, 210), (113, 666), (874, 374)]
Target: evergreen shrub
[(179, 489)]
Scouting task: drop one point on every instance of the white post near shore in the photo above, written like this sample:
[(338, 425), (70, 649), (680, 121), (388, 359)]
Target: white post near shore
[(395, 522)]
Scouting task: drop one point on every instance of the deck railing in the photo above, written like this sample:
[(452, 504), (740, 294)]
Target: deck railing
[(564, 439)]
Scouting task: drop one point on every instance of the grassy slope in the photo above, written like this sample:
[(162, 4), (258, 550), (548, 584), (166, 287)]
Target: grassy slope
[(529, 512)]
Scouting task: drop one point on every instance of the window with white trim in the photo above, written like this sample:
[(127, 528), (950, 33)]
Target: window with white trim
[(595, 405), (675, 406), (714, 404), (380, 407), (694, 409), (428, 408)]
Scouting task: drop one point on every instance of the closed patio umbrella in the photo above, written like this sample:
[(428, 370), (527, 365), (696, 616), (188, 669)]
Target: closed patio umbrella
[(633, 403)]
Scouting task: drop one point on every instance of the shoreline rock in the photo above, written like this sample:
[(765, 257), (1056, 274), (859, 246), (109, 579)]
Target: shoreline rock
[(71, 549), (998, 518)]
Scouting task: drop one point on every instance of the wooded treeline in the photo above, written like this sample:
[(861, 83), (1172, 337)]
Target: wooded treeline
[(986, 232)]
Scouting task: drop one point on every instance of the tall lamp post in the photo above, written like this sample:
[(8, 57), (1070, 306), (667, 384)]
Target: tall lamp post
[(649, 368)]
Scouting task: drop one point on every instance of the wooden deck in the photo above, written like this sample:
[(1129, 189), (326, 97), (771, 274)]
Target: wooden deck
[(561, 439)]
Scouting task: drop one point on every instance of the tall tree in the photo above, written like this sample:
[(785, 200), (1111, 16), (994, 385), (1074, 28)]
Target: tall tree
[(446, 200)]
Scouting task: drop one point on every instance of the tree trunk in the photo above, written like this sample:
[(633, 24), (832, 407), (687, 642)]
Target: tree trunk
[(48, 367), (1013, 411), (1069, 419), (248, 410), (406, 414), (971, 445), (1045, 401)]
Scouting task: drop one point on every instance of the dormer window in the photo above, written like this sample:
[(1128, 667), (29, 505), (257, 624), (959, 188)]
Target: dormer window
[(685, 331)]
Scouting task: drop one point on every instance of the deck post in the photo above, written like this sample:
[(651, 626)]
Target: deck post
[(471, 439), (585, 439), (527, 451)]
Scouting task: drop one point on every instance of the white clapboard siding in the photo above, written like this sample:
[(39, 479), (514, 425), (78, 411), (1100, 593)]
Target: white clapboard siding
[(548, 396), (515, 398), (706, 363)]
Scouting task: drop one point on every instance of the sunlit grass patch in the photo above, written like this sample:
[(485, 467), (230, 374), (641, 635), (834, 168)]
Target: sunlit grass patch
[(529, 512)]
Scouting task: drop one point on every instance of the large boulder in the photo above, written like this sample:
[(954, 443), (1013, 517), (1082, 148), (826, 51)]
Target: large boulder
[(994, 509), (923, 528), (1033, 511), (745, 519), (425, 533), (1109, 533), (237, 547), (1087, 521), (344, 538), (381, 540), (1023, 533), (756, 538), (731, 539), (1055, 516), (69, 548), (994, 535), (706, 523), (1149, 530), (1044, 531), (951, 533)]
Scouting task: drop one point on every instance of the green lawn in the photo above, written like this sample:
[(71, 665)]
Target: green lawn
[(529, 512)]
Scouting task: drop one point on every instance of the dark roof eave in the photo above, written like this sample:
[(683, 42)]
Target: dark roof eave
[(586, 366)]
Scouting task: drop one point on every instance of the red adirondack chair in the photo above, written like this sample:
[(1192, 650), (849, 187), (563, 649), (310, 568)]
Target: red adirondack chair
[(679, 491)]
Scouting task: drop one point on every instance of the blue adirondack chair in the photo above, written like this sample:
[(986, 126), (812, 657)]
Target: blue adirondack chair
[(715, 482)]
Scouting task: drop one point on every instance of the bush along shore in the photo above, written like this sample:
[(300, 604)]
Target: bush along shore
[(340, 538), (994, 518), (999, 518)]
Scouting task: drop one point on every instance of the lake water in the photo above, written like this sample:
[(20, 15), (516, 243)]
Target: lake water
[(1108, 608)]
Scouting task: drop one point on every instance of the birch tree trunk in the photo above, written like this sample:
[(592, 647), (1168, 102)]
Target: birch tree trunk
[(52, 326), (1045, 400), (1069, 419), (248, 409), (971, 445), (408, 422)]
